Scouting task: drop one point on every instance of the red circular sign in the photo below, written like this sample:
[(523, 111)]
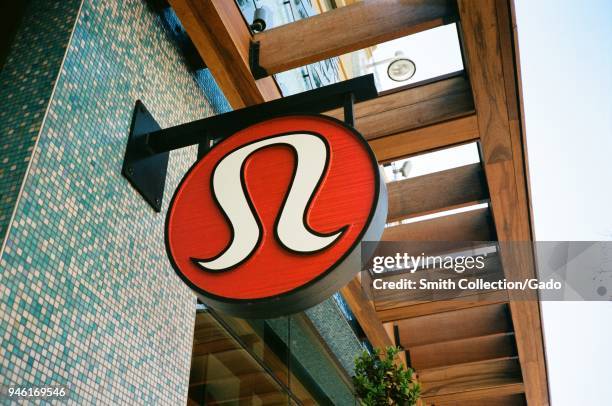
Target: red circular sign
[(264, 224)]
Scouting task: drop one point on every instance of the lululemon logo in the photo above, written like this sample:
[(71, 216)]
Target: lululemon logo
[(311, 154), (270, 220)]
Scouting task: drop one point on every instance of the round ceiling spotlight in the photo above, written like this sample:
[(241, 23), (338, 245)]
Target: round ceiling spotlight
[(401, 69)]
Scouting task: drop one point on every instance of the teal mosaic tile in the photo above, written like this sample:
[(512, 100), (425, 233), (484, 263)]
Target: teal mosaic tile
[(212, 91), (26, 83), (87, 297), (333, 327)]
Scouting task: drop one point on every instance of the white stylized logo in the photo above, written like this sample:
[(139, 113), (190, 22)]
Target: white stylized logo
[(291, 228)]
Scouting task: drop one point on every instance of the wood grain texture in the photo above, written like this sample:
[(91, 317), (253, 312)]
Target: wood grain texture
[(488, 32), (470, 376), (347, 29), (222, 38), (438, 191), (480, 396), (455, 325), (415, 107), (517, 399), (439, 87), (475, 225), (399, 310), (462, 351), (425, 139), (365, 313)]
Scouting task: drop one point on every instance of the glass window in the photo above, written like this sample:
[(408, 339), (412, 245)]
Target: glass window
[(223, 371), (270, 361)]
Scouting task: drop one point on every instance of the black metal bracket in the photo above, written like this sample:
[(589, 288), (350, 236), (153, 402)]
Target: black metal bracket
[(256, 69), (349, 114), (143, 168), (146, 156)]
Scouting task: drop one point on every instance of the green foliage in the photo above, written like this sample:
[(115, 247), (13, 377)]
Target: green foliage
[(379, 382)]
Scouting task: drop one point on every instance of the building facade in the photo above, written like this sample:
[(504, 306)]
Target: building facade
[(88, 298)]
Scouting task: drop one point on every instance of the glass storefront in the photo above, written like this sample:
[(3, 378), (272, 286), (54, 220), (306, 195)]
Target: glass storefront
[(264, 362)]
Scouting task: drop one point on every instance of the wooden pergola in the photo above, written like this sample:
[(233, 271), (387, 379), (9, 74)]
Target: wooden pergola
[(485, 351)]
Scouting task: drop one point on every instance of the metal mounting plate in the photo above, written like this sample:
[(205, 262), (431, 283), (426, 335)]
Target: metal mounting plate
[(145, 170)]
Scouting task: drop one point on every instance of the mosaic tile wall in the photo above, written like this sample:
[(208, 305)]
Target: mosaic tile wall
[(26, 83), (337, 333), (87, 298)]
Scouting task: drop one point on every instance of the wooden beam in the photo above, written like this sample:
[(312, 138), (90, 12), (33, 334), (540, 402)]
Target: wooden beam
[(447, 379), (487, 396), (438, 191), (431, 138), (423, 117), (419, 106), (467, 382), (409, 309), (462, 351), (365, 313), (441, 327), (415, 93), (347, 29), (496, 399), (222, 38), (416, 115), (474, 225), (487, 31)]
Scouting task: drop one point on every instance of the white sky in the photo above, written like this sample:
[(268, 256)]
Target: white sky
[(566, 65), (431, 61)]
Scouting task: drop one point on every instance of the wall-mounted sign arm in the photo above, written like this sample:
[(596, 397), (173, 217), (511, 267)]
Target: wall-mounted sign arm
[(146, 157), (145, 169)]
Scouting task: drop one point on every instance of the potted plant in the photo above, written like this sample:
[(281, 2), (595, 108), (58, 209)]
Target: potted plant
[(379, 381)]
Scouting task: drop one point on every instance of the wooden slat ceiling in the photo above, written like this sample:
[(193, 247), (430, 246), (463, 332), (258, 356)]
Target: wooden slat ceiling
[(481, 349)]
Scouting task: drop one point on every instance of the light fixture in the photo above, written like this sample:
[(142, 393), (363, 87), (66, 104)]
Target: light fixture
[(403, 171), (401, 69), (261, 18)]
